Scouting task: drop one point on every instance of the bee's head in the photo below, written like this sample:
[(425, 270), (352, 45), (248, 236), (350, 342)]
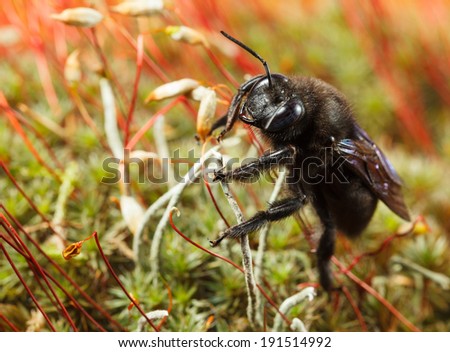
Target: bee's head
[(271, 108), (267, 102)]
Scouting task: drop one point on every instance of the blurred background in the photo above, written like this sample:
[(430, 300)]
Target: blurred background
[(392, 61)]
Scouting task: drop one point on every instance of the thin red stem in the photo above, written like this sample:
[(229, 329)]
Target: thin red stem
[(44, 74), (139, 59), (108, 71), (39, 270), (63, 273), (208, 187), (111, 270), (39, 136), (376, 295), (56, 282), (271, 302), (24, 284), (9, 323), (383, 245), (357, 311), (254, 140), (147, 59), (221, 68), (130, 145), (18, 127), (30, 202)]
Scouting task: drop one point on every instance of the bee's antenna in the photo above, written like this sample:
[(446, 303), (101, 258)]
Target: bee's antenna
[(242, 45)]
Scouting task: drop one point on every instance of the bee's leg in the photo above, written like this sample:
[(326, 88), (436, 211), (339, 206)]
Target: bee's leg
[(325, 249), (277, 211), (252, 171), (221, 122)]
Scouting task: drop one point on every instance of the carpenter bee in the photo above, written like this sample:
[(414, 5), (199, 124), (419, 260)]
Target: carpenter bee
[(330, 160)]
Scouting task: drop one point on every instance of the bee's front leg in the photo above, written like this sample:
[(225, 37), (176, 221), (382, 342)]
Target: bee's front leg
[(277, 211), (251, 172)]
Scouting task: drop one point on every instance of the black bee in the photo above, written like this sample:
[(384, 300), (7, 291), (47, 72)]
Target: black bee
[(330, 160)]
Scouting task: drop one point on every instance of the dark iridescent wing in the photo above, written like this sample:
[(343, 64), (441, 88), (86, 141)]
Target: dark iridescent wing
[(365, 159)]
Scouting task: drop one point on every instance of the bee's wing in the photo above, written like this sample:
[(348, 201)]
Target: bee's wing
[(365, 159)]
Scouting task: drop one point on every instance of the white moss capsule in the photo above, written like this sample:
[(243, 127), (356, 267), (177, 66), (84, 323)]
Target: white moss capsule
[(79, 16), (186, 35), (206, 112), (198, 93), (132, 212), (173, 89), (72, 70), (139, 8)]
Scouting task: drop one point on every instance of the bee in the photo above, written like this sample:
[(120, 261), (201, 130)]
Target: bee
[(330, 161)]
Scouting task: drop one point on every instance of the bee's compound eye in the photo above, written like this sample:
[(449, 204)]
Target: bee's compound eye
[(298, 110), (285, 116)]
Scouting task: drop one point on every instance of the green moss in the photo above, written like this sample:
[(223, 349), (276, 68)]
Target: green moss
[(204, 292)]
